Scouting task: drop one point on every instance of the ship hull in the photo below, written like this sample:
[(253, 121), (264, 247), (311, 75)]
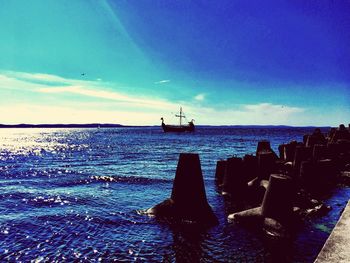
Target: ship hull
[(175, 128)]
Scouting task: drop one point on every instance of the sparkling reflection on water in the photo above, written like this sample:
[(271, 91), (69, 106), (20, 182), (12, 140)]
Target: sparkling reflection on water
[(74, 194)]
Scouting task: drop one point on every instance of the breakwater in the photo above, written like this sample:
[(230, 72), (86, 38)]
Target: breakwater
[(286, 186), (271, 193), (275, 192)]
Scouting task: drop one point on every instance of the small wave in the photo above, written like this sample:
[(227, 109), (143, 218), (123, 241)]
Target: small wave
[(36, 199), (114, 218), (128, 179), (84, 180), (16, 172), (122, 218), (49, 200)]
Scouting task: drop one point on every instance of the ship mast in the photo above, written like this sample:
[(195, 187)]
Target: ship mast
[(180, 116)]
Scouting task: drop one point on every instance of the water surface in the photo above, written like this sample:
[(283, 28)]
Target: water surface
[(74, 194)]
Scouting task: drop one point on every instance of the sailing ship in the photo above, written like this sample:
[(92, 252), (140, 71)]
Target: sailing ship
[(178, 128)]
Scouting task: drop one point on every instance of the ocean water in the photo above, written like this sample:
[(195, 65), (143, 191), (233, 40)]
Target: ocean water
[(76, 195)]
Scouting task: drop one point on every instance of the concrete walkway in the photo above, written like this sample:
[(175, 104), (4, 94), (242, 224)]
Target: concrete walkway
[(337, 246)]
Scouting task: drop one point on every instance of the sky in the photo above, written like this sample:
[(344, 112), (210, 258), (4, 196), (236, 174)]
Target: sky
[(228, 62)]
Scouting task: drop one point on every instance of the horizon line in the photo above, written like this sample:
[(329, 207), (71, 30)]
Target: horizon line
[(117, 125)]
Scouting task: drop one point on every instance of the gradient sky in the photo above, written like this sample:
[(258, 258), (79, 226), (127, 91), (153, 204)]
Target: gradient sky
[(132, 62)]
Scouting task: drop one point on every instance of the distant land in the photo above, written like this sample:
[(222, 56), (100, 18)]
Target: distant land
[(89, 125), (263, 126), (111, 125)]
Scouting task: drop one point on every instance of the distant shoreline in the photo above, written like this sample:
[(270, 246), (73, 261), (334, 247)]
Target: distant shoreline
[(110, 125), (89, 125)]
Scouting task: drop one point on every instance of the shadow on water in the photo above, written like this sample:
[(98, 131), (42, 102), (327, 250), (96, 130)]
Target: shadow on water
[(277, 249), (192, 243), (187, 243)]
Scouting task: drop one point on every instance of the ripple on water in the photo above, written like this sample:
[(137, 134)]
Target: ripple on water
[(74, 195)]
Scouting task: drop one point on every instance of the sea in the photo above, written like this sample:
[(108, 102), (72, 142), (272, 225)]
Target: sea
[(78, 195)]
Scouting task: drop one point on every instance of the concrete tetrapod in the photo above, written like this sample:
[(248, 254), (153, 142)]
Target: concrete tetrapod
[(277, 203), (263, 146), (250, 166), (319, 152), (278, 199), (308, 176), (234, 183), (289, 151), (266, 165), (302, 153), (188, 201), (220, 171)]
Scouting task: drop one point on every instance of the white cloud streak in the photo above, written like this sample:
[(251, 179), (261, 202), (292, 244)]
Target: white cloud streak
[(95, 89), (162, 81), (200, 97), (109, 95), (254, 114)]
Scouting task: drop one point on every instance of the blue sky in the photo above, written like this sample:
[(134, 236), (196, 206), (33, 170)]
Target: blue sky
[(132, 62)]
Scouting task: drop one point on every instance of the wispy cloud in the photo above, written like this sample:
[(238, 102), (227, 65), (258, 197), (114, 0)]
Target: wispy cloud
[(200, 97), (271, 109), (51, 84), (252, 114), (37, 78), (109, 95), (162, 81)]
